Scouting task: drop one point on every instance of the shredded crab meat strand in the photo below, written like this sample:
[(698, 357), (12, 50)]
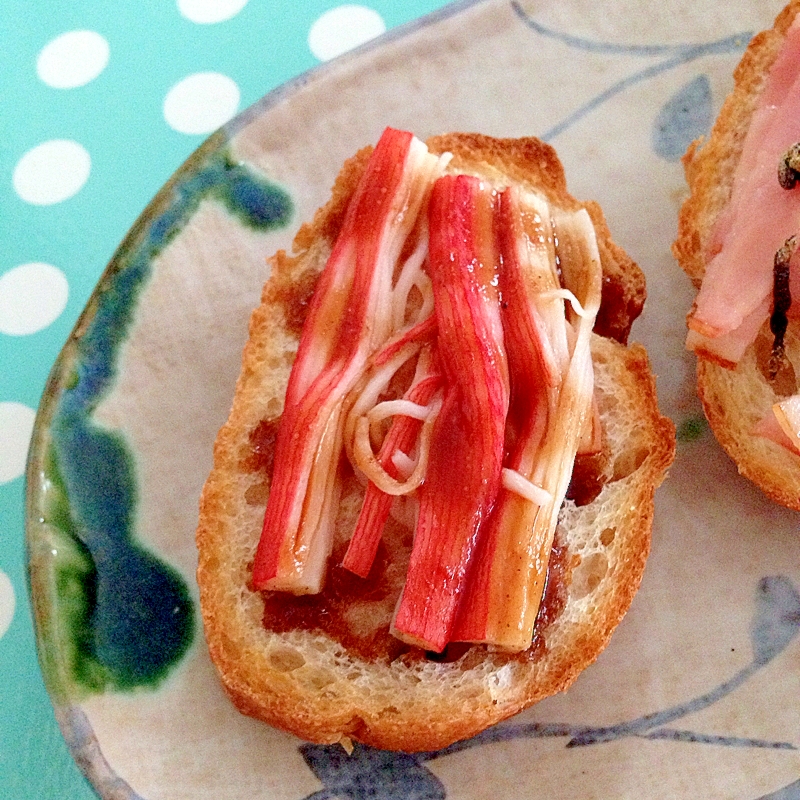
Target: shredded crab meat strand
[(403, 463), (397, 408), (513, 481), (408, 279), (443, 162), (366, 460), (367, 396), (565, 294)]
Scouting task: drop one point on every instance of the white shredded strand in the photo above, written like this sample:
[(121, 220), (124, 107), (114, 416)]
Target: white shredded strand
[(404, 463), (397, 408), (566, 294), (380, 379), (368, 395), (444, 161), (407, 279), (365, 459), (519, 484)]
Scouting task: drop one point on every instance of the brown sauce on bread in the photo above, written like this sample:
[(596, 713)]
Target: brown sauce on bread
[(293, 293), (332, 611), (350, 610), (261, 455)]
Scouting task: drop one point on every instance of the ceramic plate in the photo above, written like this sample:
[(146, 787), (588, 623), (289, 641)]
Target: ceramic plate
[(698, 694)]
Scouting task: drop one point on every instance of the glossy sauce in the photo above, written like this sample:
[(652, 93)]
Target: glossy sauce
[(327, 612)]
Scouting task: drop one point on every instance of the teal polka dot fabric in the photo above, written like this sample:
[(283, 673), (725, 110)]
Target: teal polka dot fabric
[(101, 103)]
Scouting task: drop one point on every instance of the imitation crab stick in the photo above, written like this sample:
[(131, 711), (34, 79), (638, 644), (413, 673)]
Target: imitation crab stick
[(348, 319), (503, 599), (490, 610), (448, 272), (464, 469)]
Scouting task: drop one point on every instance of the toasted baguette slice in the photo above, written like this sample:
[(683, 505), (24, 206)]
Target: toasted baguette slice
[(345, 679), (735, 401)]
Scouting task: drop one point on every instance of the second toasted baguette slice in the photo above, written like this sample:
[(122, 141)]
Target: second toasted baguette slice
[(736, 400)]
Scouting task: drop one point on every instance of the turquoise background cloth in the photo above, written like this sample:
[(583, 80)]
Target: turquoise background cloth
[(106, 94)]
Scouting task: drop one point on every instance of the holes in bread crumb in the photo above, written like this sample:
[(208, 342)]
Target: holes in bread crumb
[(285, 659), (588, 575), (452, 652), (318, 679), (607, 536), (471, 692), (628, 462)]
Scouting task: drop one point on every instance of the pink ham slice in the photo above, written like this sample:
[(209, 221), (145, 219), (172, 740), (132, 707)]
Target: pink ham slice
[(734, 299), (782, 424)]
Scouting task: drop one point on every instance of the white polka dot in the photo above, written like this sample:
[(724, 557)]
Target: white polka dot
[(201, 102), (51, 172), (343, 28), (31, 297), (7, 602), (72, 59), (205, 12), (16, 427)]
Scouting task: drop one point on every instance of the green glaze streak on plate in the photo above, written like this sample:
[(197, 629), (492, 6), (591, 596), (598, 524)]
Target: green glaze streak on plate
[(123, 617), (692, 428)]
